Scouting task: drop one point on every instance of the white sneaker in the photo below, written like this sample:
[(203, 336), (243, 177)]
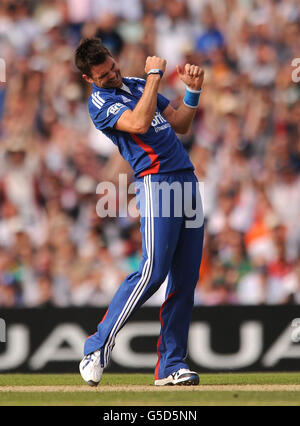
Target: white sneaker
[(90, 369), (182, 377)]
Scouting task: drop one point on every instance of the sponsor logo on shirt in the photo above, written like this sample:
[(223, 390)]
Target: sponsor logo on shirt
[(159, 122), (114, 109)]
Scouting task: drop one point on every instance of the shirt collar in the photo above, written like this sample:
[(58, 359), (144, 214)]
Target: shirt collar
[(101, 89), (112, 90)]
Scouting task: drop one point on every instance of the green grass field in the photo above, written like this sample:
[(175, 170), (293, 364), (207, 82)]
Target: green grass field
[(138, 390)]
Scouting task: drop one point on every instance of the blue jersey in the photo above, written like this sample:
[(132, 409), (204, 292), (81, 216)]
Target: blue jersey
[(158, 150)]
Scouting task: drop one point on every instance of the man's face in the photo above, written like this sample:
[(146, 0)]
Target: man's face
[(106, 75)]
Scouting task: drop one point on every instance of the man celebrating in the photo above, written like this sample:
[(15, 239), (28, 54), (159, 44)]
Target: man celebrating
[(143, 125)]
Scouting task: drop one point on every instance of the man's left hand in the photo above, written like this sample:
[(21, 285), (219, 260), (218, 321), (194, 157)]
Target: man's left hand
[(191, 75)]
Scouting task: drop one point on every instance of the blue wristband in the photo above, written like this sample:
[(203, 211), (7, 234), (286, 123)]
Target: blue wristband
[(191, 98), (156, 71)]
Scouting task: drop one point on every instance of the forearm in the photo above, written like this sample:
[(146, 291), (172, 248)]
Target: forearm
[(139, 120), (183, 118), (145, 109)]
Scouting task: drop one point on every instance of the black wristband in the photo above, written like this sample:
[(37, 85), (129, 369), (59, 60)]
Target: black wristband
[(156, 71)]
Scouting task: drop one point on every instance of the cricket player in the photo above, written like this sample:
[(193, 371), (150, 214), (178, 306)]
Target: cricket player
[(143, 125)]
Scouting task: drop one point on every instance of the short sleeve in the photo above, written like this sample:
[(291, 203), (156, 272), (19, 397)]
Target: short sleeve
[(105, 113), (162, 102)]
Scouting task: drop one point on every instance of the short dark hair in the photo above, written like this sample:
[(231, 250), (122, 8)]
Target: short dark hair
[(89, 53)]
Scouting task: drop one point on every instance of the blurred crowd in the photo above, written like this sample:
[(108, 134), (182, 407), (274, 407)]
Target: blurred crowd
[(245, 144)]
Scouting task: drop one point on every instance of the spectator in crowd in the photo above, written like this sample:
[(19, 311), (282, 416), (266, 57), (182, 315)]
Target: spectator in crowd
[(245, 144)]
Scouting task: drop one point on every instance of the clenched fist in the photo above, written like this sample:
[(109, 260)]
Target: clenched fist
[(191, 75), (155, 62)]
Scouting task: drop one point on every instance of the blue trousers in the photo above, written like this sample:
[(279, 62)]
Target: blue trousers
[(172, 242)]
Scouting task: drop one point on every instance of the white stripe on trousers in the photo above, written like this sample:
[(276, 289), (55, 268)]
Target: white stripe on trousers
[(146, 273)]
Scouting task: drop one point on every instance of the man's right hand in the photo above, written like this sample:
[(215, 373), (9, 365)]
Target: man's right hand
[(154, 62)]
